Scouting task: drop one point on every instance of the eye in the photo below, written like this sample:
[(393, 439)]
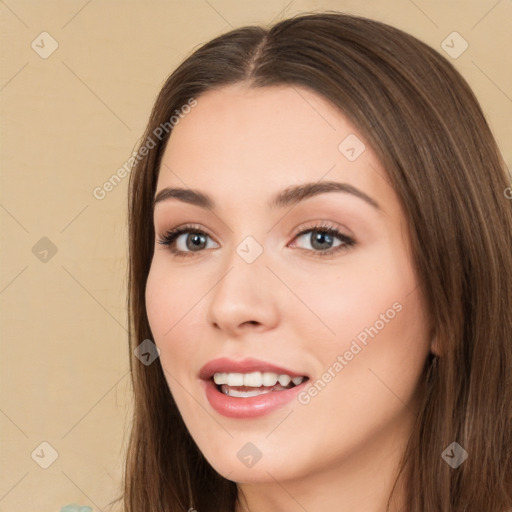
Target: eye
[(322, 238), (189, 239), (185, 240)]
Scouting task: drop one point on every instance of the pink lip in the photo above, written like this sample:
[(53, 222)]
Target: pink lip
[(225, 365), (252, 407)]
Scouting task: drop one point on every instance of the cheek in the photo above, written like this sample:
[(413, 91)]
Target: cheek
[(364, 387), (172, 309), (378, 323), (346, 300), (373, 364), (159, 304)]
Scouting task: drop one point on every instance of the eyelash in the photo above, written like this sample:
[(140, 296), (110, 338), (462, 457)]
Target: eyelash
[(169, 239)]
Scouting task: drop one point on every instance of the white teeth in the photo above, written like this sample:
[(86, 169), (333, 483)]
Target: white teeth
[(255, 379), (219, 378), (235, 379), (284, 380), (269, 379)]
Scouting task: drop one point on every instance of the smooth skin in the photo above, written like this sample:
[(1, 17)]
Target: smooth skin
[(291, 306)]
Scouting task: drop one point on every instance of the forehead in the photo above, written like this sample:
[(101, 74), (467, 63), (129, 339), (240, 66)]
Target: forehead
[(277, 118), (247, 143)]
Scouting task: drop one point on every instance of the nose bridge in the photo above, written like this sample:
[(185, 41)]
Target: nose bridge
[(245, 265), (244, 293)]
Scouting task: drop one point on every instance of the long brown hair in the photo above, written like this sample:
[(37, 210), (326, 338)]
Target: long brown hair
[(427, 128)]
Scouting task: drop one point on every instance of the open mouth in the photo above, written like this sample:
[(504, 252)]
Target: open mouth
[(246, 385)]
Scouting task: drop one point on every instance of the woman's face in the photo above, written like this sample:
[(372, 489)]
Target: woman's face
[(250, 293)]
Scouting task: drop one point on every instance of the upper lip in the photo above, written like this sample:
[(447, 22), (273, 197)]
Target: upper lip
[(226, 365)]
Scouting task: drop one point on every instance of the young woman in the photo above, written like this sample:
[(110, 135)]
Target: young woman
[(321, 250)]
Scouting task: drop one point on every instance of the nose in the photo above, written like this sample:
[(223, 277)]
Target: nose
[(245, 297)]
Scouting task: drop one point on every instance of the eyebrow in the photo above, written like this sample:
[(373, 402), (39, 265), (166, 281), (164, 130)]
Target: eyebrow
[(287, 197)]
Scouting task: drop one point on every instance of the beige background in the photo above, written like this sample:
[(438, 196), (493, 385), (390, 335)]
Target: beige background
[(68, 123)]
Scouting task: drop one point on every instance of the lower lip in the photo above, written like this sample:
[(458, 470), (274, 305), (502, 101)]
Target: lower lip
[(251, 407)]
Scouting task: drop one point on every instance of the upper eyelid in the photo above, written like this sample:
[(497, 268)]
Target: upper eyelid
[(312, 225), (301, 230)]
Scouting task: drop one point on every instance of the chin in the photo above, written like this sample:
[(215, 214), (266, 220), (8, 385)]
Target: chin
[(243, 461), (260, 473)]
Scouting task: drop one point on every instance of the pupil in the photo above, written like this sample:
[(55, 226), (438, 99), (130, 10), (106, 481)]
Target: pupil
[(322, 239), (194, 241)]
